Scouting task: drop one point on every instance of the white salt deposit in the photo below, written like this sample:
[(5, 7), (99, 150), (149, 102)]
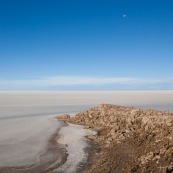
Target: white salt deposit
[(73, 136)]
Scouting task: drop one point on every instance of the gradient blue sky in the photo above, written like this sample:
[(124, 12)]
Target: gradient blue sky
[(86, 44)]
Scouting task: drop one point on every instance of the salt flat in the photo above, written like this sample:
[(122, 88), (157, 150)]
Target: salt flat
[(26, 118)]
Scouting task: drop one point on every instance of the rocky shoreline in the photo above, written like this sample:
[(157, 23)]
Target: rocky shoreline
[(131, 140)]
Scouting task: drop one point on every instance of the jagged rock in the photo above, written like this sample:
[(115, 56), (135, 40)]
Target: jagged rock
[(149, 134)]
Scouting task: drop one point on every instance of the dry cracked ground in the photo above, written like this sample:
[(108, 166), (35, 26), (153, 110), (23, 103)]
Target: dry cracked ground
[(131, 140)]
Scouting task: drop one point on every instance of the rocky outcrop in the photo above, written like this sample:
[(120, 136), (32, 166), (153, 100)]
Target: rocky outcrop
[(131, 140)]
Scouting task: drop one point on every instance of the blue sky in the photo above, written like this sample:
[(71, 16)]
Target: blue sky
[(86, 44)]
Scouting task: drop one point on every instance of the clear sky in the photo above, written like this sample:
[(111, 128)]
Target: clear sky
[(86, 44)]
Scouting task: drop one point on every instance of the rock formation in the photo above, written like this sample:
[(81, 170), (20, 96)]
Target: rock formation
[(131, 140)]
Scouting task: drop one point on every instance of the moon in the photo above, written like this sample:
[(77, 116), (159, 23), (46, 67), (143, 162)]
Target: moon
[(124, 15)]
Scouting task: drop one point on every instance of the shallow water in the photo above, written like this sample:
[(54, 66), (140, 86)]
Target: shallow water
[(26, 118)]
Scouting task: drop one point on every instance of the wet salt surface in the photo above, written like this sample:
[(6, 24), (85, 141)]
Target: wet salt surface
[(74, 137), (22, 141)]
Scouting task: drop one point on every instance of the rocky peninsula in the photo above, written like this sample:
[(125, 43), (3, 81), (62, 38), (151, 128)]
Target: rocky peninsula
[(131, 140)]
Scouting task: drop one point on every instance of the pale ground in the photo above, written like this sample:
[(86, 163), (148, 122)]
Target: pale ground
[(73, 136), (52, 101), (22, 140), (26, 118)]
